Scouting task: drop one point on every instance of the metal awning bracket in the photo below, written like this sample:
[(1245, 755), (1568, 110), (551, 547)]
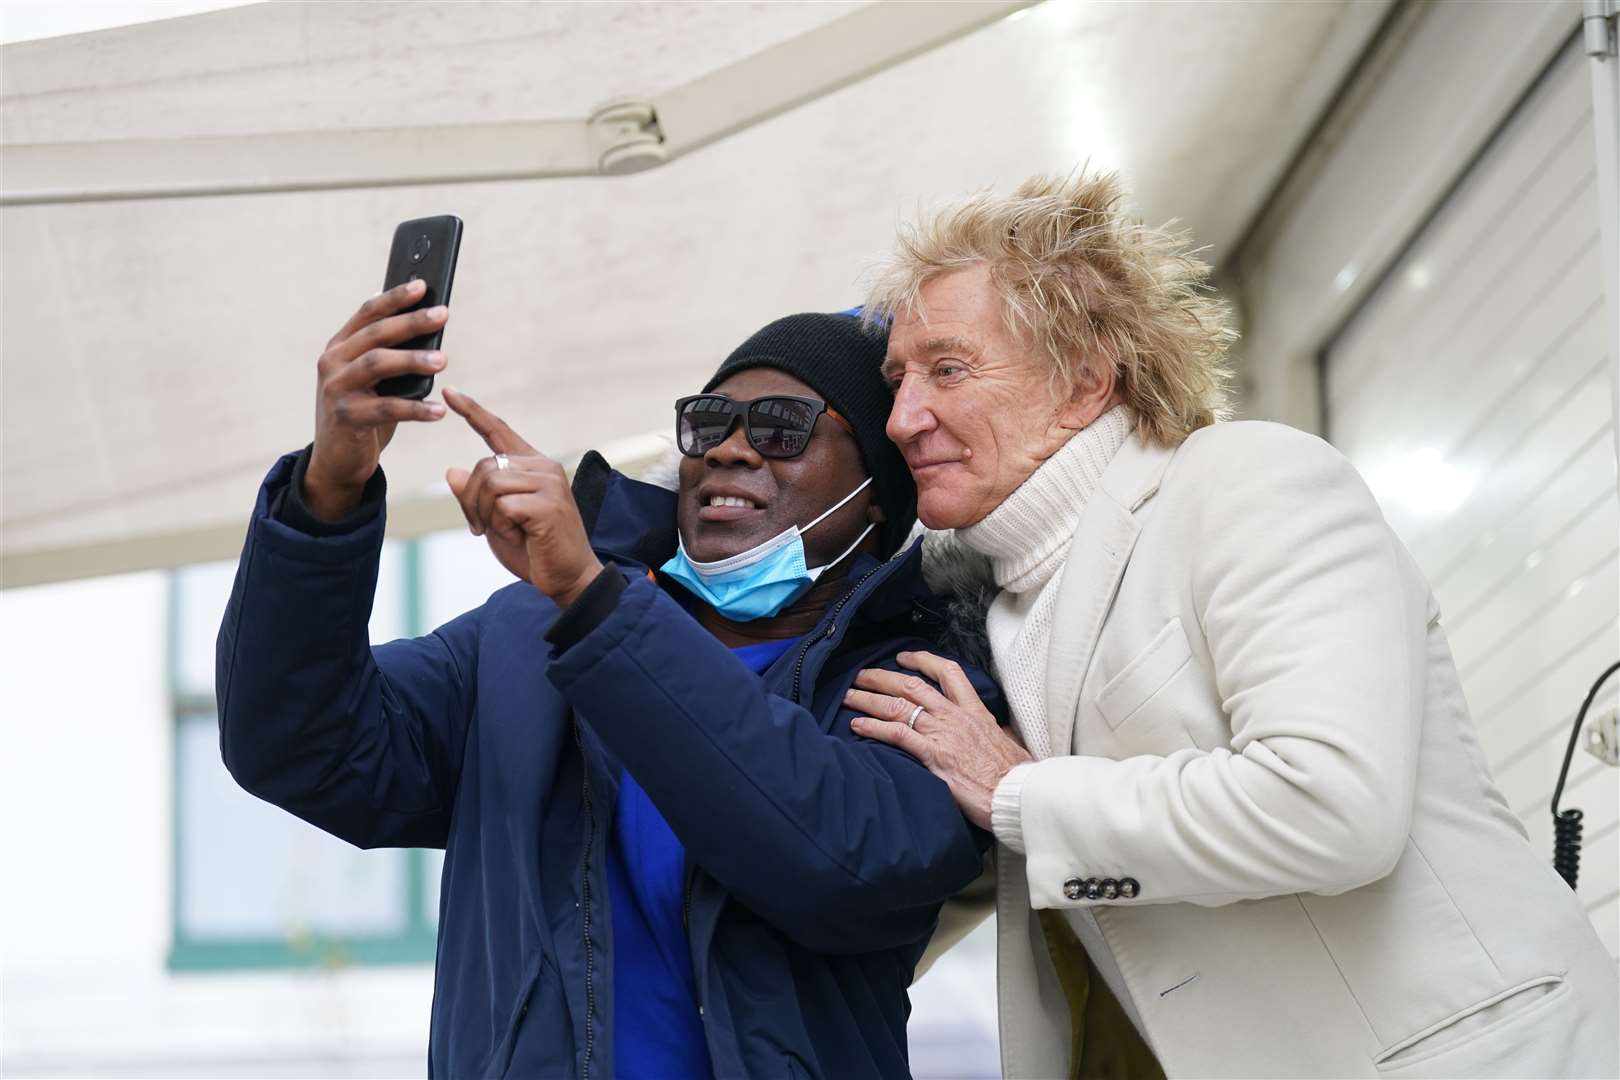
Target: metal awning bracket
[(1598, 22), (627, 138)]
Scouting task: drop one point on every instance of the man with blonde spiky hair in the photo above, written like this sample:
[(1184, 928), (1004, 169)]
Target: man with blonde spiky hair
[(1245, 816)]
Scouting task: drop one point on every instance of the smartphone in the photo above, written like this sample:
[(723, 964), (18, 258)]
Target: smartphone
[(425, 248)]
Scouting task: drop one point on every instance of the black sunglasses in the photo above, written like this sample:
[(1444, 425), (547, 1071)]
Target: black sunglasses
[(778, 426)]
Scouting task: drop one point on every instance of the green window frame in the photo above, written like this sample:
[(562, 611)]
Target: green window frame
[(415, 943)]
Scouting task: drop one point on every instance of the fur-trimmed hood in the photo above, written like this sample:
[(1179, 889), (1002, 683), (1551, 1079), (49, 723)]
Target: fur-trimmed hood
[(966, 580)]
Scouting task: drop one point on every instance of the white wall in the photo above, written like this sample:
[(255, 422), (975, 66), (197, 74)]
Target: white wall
[(1438, 255), (1429, 96), (84, 779), (1472, 391)]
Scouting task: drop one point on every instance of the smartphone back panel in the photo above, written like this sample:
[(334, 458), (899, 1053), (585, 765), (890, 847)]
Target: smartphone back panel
[(425, 248)]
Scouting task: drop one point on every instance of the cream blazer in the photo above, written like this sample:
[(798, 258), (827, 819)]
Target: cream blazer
[(1255, 715)]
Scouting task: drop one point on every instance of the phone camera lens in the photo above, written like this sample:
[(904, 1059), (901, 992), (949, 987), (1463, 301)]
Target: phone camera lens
[(419, 249)]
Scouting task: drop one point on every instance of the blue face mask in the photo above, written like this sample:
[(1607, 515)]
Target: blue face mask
[(760, 582)]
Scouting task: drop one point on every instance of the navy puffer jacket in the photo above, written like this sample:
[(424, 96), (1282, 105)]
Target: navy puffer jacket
[(817, 861)]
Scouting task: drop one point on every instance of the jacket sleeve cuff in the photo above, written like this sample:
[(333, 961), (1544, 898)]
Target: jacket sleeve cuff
[(1006, 807), (289, 508), (588, 611)]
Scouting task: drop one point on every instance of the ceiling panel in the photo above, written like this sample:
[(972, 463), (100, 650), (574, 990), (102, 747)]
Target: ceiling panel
[(343, 64), (158, 355)]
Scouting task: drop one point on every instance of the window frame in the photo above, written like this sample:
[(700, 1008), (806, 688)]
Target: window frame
[(416, 943)]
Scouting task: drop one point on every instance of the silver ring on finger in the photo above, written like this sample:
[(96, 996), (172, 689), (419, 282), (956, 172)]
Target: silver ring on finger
[(911, 721), (502, 461)]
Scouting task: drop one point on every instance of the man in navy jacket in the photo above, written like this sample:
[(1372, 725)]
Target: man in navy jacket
[(666, 852)]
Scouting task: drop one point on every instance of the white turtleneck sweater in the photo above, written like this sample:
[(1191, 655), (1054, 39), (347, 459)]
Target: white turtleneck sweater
[(1027, 541)]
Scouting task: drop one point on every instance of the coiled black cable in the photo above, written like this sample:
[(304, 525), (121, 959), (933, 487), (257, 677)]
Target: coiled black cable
[(1567, 845), (1567, 825)]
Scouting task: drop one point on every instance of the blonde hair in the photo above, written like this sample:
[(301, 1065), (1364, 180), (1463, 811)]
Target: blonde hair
[(1084, 285)]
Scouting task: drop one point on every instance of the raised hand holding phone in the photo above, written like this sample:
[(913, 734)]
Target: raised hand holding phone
[(353, 423)]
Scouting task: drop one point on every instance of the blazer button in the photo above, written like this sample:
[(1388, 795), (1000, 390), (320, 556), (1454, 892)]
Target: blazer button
[(1073, 888), (1093, 889), (1129, 887), (1110, 889)]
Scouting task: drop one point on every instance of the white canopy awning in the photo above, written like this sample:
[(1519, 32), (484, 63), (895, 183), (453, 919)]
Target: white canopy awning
[(159, 352)]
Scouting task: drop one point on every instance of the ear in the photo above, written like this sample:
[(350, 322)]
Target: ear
[(1091, 398)]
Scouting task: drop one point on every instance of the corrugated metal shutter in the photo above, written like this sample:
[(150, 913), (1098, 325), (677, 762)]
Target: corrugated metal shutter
[(1472, 391)]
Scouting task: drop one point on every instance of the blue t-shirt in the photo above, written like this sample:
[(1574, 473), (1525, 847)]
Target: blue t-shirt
[(657, 1032)]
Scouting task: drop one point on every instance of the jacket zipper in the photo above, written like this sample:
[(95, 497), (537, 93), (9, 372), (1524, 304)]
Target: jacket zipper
[(686, 896), (832, 629), (690, 874), (585, 900)]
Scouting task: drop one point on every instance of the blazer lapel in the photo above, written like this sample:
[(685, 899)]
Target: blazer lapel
[(1101, 548)]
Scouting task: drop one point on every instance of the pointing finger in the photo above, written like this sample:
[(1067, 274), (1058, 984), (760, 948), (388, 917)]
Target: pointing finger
[(491, 428)]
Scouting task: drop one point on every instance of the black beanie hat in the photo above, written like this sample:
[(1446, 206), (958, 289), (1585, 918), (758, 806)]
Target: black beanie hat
[(843, 362)]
